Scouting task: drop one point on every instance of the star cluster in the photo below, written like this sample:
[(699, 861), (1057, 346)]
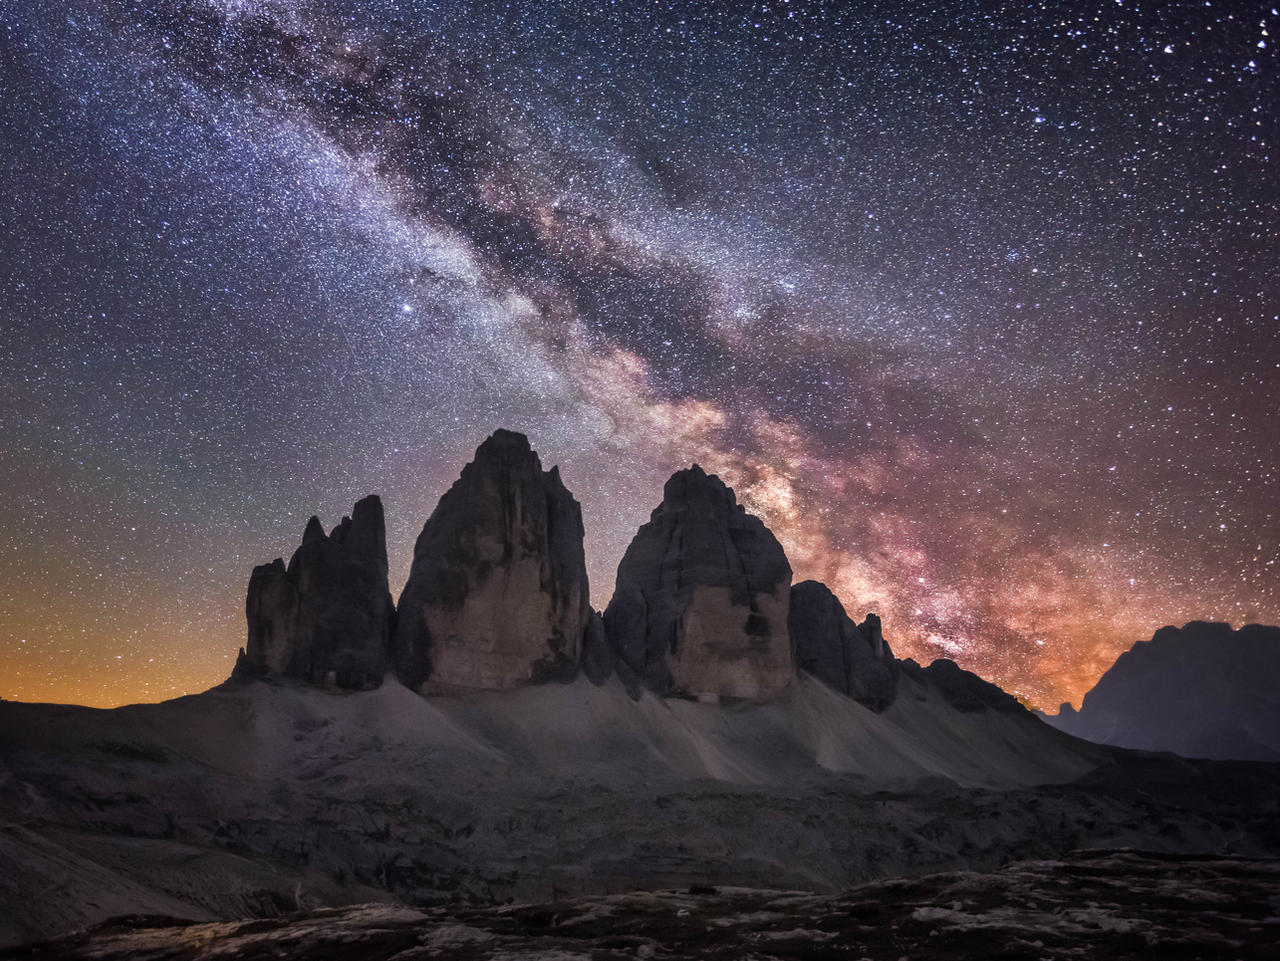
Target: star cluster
[(977, 305)]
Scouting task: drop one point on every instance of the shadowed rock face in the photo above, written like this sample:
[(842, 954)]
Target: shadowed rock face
[(1202, 690), (497, 595), (702, 594), (326, 618), (852, 658), (963, 690)]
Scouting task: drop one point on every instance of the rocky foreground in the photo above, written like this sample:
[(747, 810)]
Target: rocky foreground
[(262, 798), (1092, 905)]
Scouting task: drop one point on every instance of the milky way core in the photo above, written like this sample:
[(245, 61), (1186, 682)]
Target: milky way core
[(977, 306)]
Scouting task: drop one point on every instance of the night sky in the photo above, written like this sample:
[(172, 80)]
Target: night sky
[(977, 306)]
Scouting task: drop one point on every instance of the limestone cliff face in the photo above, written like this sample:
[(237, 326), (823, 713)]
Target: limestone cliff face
[(497, 595), (702, 595), (326, 618), (852, 658)]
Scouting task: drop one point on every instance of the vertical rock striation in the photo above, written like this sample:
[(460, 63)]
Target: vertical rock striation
[(327, 618), (852, 658), (497, 595), (700, 605)]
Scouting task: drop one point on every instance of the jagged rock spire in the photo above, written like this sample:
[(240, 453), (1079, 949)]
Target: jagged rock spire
[(497, 594), (852, 658), (326, 618)]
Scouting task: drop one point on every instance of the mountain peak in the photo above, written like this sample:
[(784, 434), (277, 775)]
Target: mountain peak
[(497, 595), (694, 488), (1201, 690), (314, 531), (503, 440), (701, 598), (326, 618)]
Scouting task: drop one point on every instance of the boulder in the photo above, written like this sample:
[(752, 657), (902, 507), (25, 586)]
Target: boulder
[(701, 597), (851, 658), (327, 617), (497, 594)]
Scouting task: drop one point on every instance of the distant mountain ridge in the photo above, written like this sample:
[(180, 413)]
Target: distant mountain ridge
[(1202, 690)]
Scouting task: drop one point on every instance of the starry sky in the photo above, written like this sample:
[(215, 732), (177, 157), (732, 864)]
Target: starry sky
[(977, 304)]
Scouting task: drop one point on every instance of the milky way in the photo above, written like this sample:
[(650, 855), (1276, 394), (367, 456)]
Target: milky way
[(978, 306)]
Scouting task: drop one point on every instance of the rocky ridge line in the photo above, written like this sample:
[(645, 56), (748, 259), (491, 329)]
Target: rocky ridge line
[(327, 617), (498, 597)]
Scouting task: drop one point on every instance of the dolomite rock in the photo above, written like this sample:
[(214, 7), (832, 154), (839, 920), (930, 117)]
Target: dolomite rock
[(852, 658), (700, 606), (497, 595), (327, 617)]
